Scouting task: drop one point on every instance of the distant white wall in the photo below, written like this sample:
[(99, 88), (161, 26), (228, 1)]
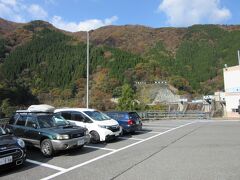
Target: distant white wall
[(232, 90), (232, 79), (232, 101)]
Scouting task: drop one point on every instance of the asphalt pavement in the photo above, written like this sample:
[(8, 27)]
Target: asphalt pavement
[(166, 149)]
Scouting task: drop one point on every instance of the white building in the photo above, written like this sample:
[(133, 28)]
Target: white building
[(219, 96), (232, 90)]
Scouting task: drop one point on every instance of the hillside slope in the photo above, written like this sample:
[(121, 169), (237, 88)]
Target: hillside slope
[(50, 63), (136, 39)]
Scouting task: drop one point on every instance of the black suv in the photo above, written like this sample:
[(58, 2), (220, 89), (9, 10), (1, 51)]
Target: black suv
[(12, 150), (48, 131)]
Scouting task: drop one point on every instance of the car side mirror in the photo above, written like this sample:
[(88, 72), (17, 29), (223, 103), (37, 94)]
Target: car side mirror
[(34, 126), (9, 131)]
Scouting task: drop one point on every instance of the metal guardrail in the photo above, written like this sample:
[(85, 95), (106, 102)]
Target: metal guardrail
[(155, 115), (158, 115), (3, 122)]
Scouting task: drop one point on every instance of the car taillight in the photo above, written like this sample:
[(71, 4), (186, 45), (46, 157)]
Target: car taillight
[(130, 122)]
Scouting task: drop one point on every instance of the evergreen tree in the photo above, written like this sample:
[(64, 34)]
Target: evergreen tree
[(127, 100), (6, 108)]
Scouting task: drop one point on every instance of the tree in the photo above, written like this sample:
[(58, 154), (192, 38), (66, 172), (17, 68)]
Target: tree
[(6, 108), (127, 100), (101, 100), (181, 83)]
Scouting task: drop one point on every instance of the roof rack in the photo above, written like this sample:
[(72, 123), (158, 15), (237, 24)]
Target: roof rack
[(34, 112), (41, 108)]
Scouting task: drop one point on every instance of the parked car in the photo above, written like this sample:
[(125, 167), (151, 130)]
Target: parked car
[(129, 121), (12, 150), (48, 131), (100, 126)]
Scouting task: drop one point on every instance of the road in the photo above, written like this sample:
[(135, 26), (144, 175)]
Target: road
[(173, 149)]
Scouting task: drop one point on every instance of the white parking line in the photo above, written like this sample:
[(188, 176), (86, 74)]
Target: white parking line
[(219, 121), (163, 125), (46, 165), (126, 138), (113, 152), (151, 132), (101, 148), (157, 127)]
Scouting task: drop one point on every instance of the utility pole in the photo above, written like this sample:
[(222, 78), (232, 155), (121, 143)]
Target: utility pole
[(238, 57), (87, 105)]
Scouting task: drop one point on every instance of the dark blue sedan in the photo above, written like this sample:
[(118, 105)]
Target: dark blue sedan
[(130, 121)]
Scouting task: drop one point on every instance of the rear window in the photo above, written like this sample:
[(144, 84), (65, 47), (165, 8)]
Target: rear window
[(123, 116), (118, 115), (134, 115), (113, 115)]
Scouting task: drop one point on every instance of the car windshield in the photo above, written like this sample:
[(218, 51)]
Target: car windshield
[(96, 115), (2, 132), (48, 121)]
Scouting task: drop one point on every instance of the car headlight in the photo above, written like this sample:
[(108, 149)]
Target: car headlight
[(21, 143), (102, 126), (62, 137), (86, 132)]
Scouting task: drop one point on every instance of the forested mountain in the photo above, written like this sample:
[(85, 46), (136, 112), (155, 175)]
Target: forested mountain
[(39, 63)]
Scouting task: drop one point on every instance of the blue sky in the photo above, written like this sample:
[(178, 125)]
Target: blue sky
[(82, 15)]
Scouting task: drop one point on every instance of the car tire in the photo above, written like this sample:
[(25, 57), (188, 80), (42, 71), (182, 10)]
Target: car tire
[(94, 137), (47, 148)]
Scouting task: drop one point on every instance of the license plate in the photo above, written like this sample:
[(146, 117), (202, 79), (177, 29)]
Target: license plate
[(6, 160), (80, 142)]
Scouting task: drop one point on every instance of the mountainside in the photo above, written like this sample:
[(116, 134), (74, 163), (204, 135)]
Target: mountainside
[(7, 26), (136, 39), (48, 65)]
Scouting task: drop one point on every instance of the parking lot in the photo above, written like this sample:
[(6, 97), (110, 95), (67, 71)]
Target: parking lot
[(166, 149)]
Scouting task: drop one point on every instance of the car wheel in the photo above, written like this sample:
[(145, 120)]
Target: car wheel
[(94, 137), (47, 148)]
